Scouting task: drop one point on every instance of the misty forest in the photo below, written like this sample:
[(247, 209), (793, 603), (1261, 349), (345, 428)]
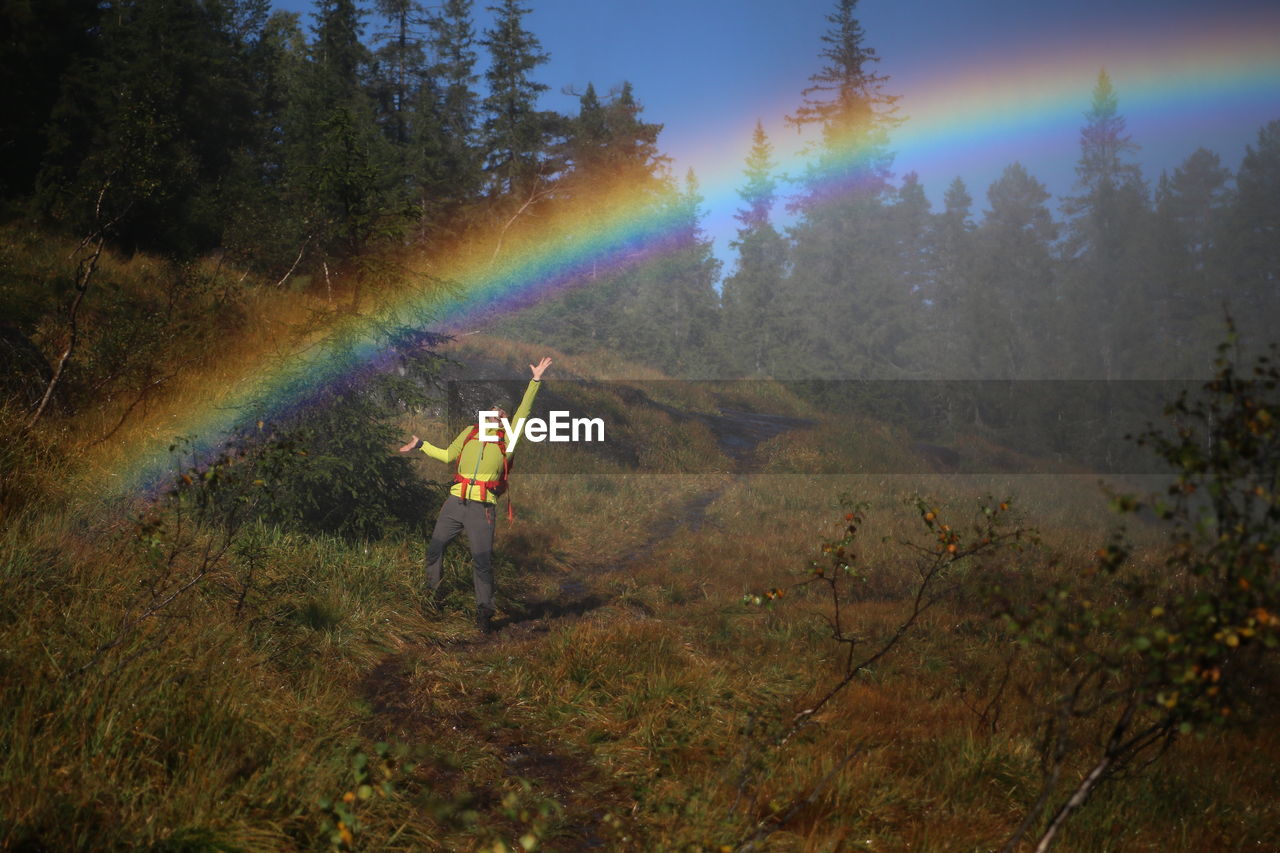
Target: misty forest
[(929, 526)]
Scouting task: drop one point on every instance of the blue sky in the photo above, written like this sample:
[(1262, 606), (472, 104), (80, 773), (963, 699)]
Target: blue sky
[(707, 69)]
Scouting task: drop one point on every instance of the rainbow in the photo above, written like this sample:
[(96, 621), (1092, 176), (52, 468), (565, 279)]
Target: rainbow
[(969, 111)]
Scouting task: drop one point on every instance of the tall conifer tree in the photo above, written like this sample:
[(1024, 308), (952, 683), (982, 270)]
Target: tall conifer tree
[(843, 273), (1254, 259), (1107, 288), (951, 278), (447, 155), (1190, 222), (1009, 307), (754, 313), (514, 129), (671, 313)]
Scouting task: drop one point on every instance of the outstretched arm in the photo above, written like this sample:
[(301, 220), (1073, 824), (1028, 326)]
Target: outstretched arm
[(526, 404), (443, 454)]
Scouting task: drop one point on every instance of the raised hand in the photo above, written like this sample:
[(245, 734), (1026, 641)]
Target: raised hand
[(541, 366), (412, 445)]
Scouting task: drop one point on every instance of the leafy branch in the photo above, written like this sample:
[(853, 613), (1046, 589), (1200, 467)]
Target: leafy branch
[(1133, 658)]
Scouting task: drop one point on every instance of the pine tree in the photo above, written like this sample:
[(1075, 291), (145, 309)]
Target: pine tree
[(147, 125), (1253, 262), (1191, 207), (851, 309), (514, 129), (854, 115), (1106, 280), (951, 276), (1008, 312), (670, 316), (448, 161), (755, 317)]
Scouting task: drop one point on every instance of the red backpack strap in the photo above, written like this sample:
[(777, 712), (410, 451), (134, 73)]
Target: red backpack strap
[(506, 473), (485, 485)]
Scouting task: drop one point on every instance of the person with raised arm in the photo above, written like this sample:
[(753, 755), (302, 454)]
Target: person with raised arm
[(479, 480)]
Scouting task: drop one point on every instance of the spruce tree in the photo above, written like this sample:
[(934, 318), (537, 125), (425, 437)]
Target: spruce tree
[(513, 127), (670, 313), (147, 124), (608, 147), (348, 173), (38, 43), (950, 283), (1253, 262), (341, 59), (266, 222), (754, 315), (398, 67), (843, 265), (448, 161), (910, 219), (1108, 293), (589, 141), (1008, 314), (848, 105), (1190, 218)]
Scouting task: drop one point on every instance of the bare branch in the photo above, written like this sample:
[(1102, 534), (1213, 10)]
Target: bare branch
[(301, 250), (84, 274), (534, 195)]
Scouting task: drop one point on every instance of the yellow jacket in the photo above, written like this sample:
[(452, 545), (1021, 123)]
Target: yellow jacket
[(480, 460)]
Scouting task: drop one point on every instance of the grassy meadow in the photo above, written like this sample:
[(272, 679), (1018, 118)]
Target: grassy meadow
[(630, 698), (170, 684)]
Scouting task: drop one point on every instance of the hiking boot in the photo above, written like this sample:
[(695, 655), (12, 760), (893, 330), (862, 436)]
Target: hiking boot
[(484, 620)]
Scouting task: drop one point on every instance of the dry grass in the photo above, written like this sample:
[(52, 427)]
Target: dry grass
[(629, 684)]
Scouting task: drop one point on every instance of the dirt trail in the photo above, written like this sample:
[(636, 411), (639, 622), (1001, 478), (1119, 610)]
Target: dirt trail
[(738, 434), (553, 770)]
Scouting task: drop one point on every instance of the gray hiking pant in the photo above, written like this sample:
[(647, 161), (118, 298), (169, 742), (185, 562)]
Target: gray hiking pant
[(477, 519)]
